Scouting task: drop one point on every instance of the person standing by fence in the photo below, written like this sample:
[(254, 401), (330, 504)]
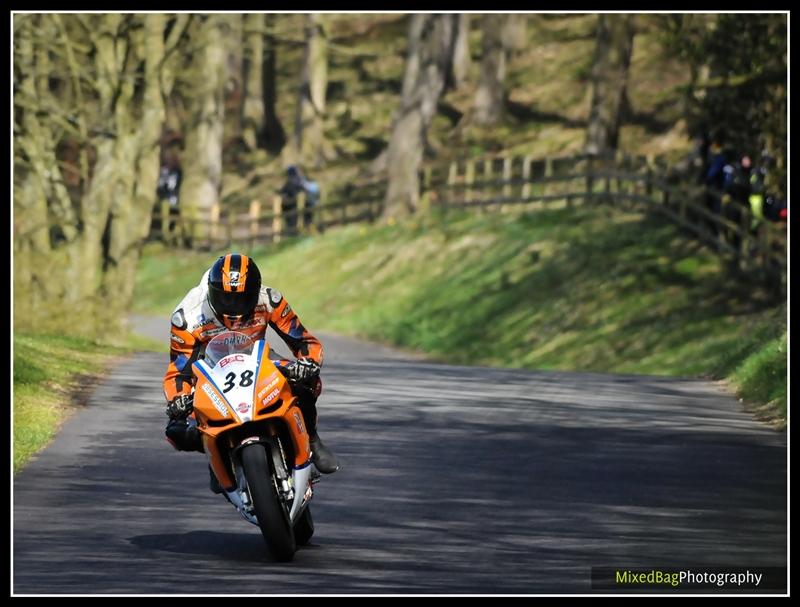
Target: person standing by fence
[(168, 188), (312, 194), (289, 192)]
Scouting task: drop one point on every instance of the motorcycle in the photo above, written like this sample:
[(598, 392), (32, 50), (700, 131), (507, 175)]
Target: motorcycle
[(256, 440)]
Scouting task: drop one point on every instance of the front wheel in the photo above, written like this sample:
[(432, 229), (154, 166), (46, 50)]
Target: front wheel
[(304, 528), (273, 519)]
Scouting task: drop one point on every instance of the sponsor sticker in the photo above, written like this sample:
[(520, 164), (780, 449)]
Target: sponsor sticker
[(216, 400), (243, 408), (212, 332), (233, 358), (174, 337), (270, 396), (269, 386), (286, 310), (298, 420)]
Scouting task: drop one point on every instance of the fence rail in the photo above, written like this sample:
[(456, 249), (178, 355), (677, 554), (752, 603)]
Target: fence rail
[(499, 182)]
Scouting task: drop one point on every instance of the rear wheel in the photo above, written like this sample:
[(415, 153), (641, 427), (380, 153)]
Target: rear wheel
[(304, 528), (273, 519)]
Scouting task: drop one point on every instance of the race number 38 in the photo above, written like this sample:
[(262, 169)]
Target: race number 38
[(245, 379)]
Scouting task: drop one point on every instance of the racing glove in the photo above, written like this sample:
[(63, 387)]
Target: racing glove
[(181, 406), (303, 370)]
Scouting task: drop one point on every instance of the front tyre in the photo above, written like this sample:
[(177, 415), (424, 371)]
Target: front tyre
[(273, 519), (304, 528)]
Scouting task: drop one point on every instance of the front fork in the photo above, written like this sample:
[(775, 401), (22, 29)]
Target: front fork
[(294, 491)]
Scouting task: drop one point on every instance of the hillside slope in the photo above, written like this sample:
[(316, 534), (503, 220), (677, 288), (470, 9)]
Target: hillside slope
[(587, 289)]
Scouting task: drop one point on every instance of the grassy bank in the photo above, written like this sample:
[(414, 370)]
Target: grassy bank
[(52, 375), (573, 289)]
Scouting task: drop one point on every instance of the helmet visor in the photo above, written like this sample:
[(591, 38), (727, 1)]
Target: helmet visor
[(232, 303)]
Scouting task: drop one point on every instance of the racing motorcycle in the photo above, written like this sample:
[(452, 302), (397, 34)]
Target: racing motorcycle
[(256, 439)]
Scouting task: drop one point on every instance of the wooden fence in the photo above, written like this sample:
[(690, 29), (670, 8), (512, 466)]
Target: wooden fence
[(498, 183)]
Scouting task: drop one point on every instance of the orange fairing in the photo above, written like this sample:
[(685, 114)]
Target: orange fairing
[(270, 387), (215, 415)]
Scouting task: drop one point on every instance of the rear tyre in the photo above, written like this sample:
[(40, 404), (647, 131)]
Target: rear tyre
[(273, 519), (304, 528)]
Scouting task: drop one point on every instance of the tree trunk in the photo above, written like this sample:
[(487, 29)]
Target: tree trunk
[(274, 134), (310, 143), (429, 60), (114, 90), (202, 177), (515, 34), (31, 242), (609, 81), (462, 60), (131, 213), (253, 107), (489, 105)]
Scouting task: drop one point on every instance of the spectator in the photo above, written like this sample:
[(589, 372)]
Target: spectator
[(758, 191), (169, 185), (736, 192), (292, 187), (312, 193), (719, 158), (775, 209)]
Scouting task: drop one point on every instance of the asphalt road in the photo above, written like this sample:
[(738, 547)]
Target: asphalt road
[(456, 480)]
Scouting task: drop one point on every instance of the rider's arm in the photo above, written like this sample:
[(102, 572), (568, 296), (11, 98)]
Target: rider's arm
[(184, 350), (288, 326)]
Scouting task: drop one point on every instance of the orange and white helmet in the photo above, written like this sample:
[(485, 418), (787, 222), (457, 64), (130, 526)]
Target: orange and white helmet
[(234, 283)]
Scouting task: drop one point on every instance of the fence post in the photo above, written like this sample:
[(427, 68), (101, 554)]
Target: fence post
[(620, 164), (300, 220), (526, 177), (589, 197), (452, 175), (547, 186), (276, 219), (469, 179), (255, 211), (487, 191), (744, 246), (166, 233), (507, 180)]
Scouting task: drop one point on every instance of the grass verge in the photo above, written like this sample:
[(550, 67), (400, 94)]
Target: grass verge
[(51, 374), (590, 289)]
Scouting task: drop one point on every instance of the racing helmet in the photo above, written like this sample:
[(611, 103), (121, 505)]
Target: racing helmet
[(234, 283)]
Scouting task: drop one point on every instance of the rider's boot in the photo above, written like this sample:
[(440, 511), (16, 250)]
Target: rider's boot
[(323, 458)]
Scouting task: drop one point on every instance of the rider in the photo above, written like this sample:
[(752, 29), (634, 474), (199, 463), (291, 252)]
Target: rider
[(230, 296)]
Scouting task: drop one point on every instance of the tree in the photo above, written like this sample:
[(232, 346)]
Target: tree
[(502, 35), (253, 107), (738, 81), (612, 59), (202, 180), (89, 109), (309, 135), (429, 60), (489, 105), (462, 60), (274, 134)]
